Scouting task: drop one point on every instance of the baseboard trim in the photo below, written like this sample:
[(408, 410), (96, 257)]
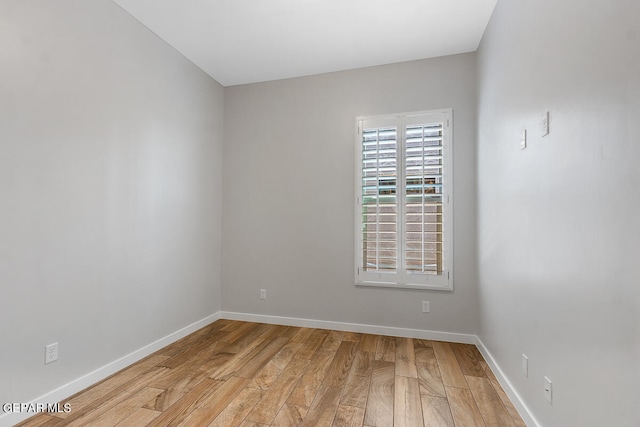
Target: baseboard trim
[(71, 388), (351, 327), (515, 398)]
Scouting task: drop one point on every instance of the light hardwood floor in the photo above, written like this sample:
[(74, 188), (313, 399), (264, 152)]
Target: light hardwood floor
[(246, 374)]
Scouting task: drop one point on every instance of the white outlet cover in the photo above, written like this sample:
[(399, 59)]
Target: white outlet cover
[(425, 306), (263, 294), (525, 365), (544, 124), (523, 139), (51, 353)]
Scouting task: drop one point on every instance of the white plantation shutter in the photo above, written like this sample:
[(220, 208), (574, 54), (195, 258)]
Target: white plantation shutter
[(379, 199), (403, 204), (423, 200)]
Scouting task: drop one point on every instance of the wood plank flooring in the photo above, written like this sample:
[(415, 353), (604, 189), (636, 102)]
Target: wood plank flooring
[(246, 374)]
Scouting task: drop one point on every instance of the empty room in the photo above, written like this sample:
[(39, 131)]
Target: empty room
[(320, 213)]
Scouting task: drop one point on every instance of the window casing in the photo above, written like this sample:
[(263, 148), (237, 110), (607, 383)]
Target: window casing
[(404, 224)]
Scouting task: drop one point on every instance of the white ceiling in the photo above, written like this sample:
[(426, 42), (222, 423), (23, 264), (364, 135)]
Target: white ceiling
[(246, 41)]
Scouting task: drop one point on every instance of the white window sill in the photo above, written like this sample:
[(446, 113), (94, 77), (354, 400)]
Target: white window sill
[(404, 286)]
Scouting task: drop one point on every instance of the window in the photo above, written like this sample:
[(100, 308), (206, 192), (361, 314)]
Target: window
[(403, 207)]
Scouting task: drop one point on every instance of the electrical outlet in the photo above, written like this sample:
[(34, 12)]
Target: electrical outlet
[(525, 365), (51, 353), (544, 124), (425, 306), (263, 294), (547, 389)]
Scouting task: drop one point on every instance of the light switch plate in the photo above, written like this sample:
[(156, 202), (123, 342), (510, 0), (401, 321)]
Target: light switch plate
[(523, 139)]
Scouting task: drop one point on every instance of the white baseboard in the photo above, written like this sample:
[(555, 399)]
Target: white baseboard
[(515, 398), (71, 388), (351, 327)]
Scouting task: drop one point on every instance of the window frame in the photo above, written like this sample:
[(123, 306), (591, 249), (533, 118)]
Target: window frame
[(404, 280)]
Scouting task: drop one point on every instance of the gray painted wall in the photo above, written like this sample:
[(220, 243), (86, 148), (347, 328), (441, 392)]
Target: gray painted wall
[(289, 191), (110, 184), (558, 222), (111, 190)]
